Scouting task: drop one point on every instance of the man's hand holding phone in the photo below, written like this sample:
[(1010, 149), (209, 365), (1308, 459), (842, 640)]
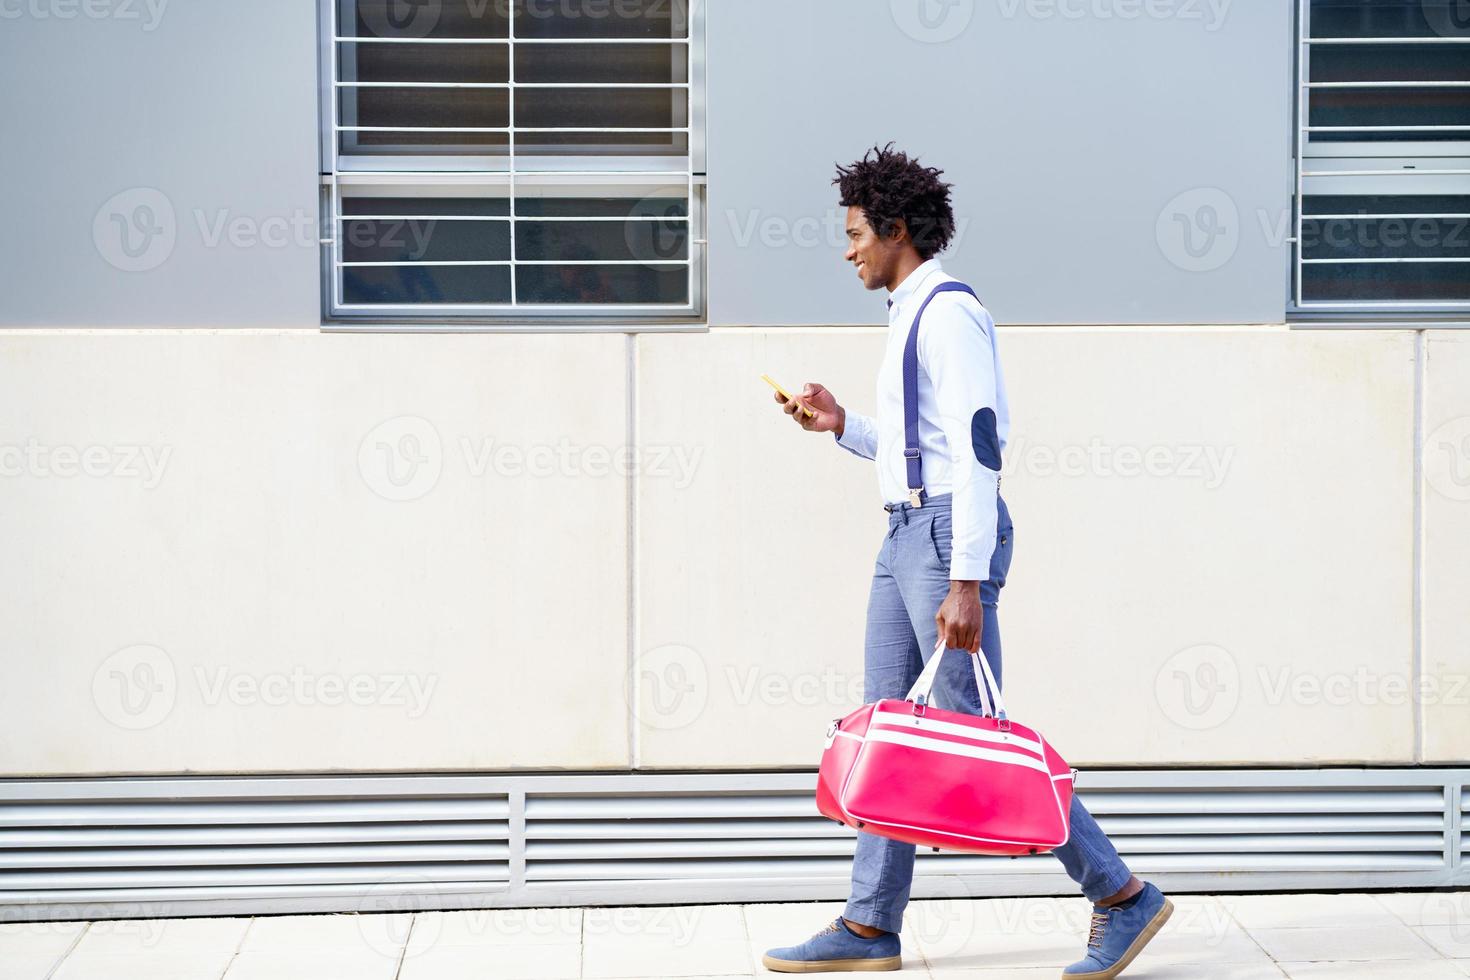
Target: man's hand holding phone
[(815, 409)]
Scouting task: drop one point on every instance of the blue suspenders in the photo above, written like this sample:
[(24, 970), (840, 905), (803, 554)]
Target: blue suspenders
[(911, 460)]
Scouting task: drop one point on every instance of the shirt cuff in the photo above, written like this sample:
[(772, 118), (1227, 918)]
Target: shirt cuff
[(968, 570), (854, 436)]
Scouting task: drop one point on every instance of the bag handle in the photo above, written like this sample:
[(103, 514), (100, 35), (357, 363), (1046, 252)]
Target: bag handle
[(984, 678)]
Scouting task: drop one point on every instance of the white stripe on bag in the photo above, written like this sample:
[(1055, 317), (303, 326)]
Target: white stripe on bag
[(955, 748), (950, 728)]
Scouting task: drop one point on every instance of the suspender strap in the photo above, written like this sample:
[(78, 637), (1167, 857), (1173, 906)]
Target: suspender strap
[(912, 463)]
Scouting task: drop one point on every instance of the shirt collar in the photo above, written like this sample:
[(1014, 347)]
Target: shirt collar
[(912, 281)]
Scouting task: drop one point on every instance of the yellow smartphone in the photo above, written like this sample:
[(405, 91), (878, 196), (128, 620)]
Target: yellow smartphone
[(788, 395)]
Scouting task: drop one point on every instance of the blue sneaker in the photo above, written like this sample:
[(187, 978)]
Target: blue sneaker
[(836, 948), (1118, 935)]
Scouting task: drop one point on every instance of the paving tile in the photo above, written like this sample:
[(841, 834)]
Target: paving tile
[(204, 935), (1452, 941), (635, 959), (1151, 971), (1349, 970), (1003, 933), (489, 961), (42, 938), (671, 941), (307, 964), (1396, 942), (1429, 908), (26, 966), (1313, 911), (385, 933), (672, 926), (496, 927), (148, 965)]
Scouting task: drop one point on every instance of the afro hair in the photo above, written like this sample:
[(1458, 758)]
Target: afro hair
[(890, 187)]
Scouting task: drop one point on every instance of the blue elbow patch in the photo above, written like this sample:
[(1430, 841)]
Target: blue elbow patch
[(985, 440)]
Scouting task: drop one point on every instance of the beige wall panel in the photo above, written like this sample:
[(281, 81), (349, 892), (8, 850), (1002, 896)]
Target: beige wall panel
[(1445, 690), (298, 551)]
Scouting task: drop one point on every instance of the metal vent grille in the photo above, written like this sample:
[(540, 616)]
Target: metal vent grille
[(687, 835), (123, 847), (176, 840)]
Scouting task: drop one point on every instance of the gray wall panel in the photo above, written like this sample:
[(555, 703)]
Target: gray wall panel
[(204, 109), (1068, 126)]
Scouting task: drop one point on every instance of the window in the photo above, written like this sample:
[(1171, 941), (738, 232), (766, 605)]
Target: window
[(1383, 156), (512, 159)]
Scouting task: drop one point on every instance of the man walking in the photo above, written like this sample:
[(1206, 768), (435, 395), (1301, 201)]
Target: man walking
[(948, 547)]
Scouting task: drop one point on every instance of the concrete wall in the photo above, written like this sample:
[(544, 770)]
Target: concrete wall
[(1113, 162), (280, 551)]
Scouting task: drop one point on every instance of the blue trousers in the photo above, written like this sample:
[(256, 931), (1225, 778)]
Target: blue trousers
[(910, 582)]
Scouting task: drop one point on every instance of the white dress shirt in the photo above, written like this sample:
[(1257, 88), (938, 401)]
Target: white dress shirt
[(959, 375)]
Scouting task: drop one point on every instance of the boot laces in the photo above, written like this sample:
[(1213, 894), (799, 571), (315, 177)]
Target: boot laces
[(1096, 929)]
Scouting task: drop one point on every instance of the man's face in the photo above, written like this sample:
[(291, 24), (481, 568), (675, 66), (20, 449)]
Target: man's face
[(873, 256)]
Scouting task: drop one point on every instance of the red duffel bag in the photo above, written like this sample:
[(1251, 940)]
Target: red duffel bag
[(946, 779)]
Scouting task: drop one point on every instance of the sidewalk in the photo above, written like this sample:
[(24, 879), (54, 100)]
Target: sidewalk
[(1229, 937)]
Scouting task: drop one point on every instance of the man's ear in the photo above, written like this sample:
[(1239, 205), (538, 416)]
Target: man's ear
[(898, 233)]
